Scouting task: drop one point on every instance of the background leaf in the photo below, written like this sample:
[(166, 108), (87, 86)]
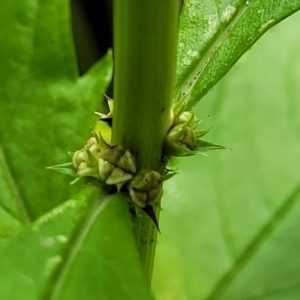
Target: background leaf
[(73, 252), (10, 208), (45, 107), (215, 34), (230, 221)]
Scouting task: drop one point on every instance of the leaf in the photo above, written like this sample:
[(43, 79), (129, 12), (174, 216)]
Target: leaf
[(215, 34), (46, 108), (230, 221), (8, 224), (83, 249), (12, 214)]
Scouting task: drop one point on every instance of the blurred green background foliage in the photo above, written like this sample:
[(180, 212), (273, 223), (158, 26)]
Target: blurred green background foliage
[(230, 221)]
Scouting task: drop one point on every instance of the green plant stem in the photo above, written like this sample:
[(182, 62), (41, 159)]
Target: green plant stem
[(145, 39)]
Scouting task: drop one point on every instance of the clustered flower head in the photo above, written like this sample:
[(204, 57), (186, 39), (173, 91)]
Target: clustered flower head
[(146, 188), (182, 138), (113, 165)]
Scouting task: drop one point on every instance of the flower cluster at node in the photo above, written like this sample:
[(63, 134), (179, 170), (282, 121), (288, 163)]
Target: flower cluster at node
[(146, 188), (182, 138), (113, 165)]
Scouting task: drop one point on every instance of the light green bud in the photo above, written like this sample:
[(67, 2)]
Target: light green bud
[(105, 168), (187, 118), (145, 188), (95, 150), (78, 157), (146, 179), (112, 154), (85, 170), (181, 140), (118, 176), (127, 162), (92, 141), (138, 198), (154, 195), (171, 118), (109, 164), (116, 166)]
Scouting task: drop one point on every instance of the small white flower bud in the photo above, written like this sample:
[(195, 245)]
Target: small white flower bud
[(146, 188), (85, 170), (91, 142), (118, 176), (137, 197), (154, 195), (112, 154), (78, 157), (127, 162), (104, 168)]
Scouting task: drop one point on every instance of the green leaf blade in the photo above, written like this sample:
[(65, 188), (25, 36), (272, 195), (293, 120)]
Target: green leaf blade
[(11, 201), (29, 258), (216, 50), (9, 224), (107, 256), (46, 109), (256, 264), (82, 249), (58, 58)]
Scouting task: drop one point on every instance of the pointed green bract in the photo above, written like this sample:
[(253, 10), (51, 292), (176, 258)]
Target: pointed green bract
[(65, 168), (204, 146)]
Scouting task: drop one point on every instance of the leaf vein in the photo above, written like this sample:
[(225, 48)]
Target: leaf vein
[(187, 85), (63, 271), (14, 188), (256, 244)]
